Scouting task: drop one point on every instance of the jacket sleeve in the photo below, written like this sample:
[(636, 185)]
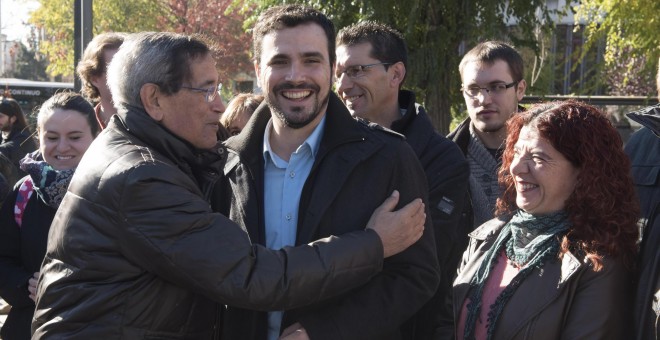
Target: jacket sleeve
[(407, 282), (13, 276), (602, 305), (170, 231)]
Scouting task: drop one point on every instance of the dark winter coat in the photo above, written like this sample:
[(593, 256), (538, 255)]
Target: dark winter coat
[(22, 248), (447, 174), (357, 167), (643, 148), (135, 251)]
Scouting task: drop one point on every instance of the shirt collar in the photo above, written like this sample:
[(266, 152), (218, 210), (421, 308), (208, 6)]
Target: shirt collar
[(313, 142)]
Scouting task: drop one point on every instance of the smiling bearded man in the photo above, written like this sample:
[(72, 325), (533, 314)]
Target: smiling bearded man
[(303, 168)]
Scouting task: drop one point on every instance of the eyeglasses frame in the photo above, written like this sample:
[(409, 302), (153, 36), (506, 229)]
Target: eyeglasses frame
[(211, 92), (481, 89), (362, 68)]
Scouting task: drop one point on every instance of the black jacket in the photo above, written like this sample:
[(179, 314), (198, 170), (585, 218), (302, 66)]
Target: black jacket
[(357, 166), (21, 251), (18, 144), (643, 148), (135, 251), (8, 177), (447, 174)]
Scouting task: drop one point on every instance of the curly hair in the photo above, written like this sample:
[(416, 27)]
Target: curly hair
[(603, 207), (93, 63)]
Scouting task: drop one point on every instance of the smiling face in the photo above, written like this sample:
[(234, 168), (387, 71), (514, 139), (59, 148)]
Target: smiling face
[(544, 178), (489, 112), (63, 138), (295, 74), (372, 94), (187, 114)]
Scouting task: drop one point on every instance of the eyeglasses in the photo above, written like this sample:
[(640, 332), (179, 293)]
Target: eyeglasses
[(493, 89), (211, 92), (357, 71)]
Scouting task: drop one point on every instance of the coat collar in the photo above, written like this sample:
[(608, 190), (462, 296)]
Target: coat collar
[(330, 170), (489, 230), (545, 284), (415, 125), (649, 117), (187, 158), (340, 128)]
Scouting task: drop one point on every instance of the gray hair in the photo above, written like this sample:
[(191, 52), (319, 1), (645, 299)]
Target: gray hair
[(160, 58)]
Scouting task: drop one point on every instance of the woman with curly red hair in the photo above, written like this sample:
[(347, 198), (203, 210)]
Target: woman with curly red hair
[(557, 261)]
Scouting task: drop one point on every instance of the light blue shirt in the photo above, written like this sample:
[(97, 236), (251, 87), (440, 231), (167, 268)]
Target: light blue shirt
[(283, 184)]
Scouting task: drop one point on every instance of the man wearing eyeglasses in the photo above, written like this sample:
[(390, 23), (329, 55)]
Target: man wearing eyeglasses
[(492, 85), (371, 68), (135, 251)]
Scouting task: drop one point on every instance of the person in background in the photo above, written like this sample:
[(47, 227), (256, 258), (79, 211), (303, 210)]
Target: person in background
[(8, 177), (92, 71), (492, 85), (643, 148), (17, 139), (66, 126), (556, 263), (135, 252), (239, 110), (303, 169), (371, 66)]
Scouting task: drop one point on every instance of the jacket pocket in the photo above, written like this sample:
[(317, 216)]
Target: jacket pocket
[(645, 175)]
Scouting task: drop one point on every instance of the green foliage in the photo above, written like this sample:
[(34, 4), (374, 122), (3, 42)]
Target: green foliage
[(30, 65), (215, 19), (56, 18), (630, 28), (436, 32)]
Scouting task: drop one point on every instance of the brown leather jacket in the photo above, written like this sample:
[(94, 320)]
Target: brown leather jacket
[(565, 299)]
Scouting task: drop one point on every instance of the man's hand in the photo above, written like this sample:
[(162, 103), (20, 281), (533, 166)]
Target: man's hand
[(398, 229), (32, 286), (294, 332)]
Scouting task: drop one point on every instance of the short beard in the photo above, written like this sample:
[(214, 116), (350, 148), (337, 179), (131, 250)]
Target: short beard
[(287, 118)]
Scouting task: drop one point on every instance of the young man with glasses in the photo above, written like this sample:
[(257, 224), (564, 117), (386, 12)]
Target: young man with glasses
[(371, 67), (492, 85)]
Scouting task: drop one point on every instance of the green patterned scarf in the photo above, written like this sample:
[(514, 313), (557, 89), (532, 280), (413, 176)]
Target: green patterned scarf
[(529, 241)]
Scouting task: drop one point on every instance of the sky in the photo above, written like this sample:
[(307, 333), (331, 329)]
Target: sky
[(13, 17)]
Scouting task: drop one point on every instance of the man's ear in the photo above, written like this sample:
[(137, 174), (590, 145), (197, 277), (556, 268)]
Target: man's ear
[(398, 74), (152, 100), (520, 89), (12, 120)]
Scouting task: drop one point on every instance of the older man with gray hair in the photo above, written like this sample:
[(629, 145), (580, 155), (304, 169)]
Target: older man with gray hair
[(135, 252)]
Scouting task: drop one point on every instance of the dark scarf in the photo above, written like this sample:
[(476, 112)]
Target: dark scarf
[(49, 184), (529, 241)]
